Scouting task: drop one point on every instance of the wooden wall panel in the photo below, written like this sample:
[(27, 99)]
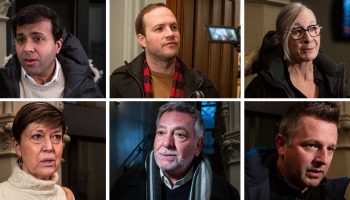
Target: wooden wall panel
[(200, 60), (214, 60), (187, 32), (215, 49), (228, 72)]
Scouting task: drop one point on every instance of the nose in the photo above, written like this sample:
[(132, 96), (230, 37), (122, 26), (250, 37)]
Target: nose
[(168, 141), (29, 46), (307, 37), (47, 144), (322, 157), (169, 32)]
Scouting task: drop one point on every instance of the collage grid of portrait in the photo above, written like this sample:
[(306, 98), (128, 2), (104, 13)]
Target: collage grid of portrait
[(114, 145)]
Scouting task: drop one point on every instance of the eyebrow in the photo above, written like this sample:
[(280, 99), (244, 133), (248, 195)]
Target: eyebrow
[(318, 143), (31, 34), (162, 24), (299, 25), (176, 128)]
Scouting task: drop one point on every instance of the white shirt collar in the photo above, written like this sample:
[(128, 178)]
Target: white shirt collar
[(54, 77), (178, 183)]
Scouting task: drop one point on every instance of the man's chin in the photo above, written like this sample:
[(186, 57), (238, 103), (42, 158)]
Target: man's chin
[(312, 182), (168, 168), (169, 58), (170, 54)]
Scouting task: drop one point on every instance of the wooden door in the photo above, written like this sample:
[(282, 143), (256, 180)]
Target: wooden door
[(219, 62)]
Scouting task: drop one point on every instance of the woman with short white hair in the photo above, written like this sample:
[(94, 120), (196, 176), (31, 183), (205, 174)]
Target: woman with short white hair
[(290, 64)]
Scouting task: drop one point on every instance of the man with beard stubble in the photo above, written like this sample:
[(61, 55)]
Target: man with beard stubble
[(296, 169), (158, 72), (49, 62)]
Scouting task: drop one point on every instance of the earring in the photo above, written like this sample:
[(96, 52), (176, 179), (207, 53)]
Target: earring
[(20, 161)]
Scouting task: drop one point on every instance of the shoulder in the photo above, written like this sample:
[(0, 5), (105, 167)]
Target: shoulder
[(194, 78), (257, 164), (3, 191), (2, 186), (223, 189), (130, 185), (132, 176), (129, 69), (327, 65), (11, 63), (259, 87), (256, 88), (73, 50), (69, 193), (334, 73), (8, 191), (335, 188), (127, 80), (120, 72)]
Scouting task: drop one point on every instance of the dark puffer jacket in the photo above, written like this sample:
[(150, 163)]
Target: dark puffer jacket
[(272, 71), (79, 78), (259, 165), (127, 81)]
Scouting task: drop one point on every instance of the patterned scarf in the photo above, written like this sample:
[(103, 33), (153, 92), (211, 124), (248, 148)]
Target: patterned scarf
[(201, 181), (177, 89)]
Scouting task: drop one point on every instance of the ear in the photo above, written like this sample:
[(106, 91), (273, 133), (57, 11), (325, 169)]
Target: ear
[(17, 147), (280, 144), (141, 39), (199, 146), (59, 45)]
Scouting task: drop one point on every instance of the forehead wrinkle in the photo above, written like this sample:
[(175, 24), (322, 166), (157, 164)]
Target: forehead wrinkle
[(173, 128), (312, 23)]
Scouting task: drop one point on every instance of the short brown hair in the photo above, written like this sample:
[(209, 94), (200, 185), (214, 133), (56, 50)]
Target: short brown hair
[(40, 112), (139, 25), (326, 111)]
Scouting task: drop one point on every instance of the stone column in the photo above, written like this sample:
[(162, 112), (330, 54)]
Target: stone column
[(7, 155), (340, 166), (231, 142), (4, 6)]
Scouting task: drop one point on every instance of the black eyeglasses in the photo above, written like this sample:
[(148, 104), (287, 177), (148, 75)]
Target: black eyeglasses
[(298, 33)]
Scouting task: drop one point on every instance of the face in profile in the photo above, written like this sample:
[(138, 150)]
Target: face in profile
[(41, 149), (307, 47), (36, 49), (162, 37), (305, 161), (176, 143)]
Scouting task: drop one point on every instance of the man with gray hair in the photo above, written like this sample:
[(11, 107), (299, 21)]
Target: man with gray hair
[(296, 169), (175, 169)]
